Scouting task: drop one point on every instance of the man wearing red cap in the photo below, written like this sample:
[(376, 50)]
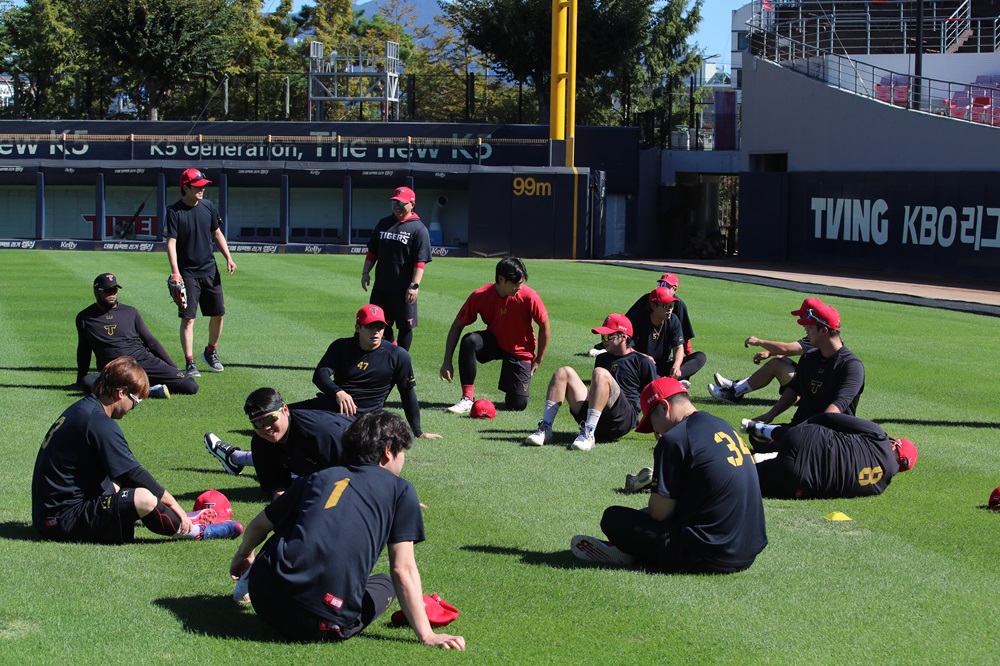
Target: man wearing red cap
[(192, 225), (608, 410), (829, 378), (508, 308), (658, 334), (705, 513), (400, 246), (356, 374), (780, 367), (827, 456)]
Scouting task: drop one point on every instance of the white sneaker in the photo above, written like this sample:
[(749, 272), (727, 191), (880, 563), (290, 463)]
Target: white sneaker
[(636, 482), (585, 440), (592, 549), (594, 352), (160, 392), (722, 382), (746, 425), (463, 406), (540, 437), (241, 593), (685, 383)]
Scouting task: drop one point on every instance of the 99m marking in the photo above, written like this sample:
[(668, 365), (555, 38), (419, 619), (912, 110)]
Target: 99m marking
[(529, 187)]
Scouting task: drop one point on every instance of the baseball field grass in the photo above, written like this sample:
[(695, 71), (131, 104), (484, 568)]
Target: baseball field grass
[(911, 578)]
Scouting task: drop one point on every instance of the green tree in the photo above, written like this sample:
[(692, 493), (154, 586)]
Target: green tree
[(159, 45), (41, 54)]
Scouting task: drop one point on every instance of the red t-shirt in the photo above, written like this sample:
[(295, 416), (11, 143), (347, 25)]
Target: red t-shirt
[(508, 319)]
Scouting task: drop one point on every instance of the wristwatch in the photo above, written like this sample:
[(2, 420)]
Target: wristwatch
[(414, 285)]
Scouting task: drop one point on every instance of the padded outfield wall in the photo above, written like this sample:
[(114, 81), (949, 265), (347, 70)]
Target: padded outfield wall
[(316, 187)]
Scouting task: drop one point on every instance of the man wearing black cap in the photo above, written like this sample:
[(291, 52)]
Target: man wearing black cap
[(705, 513), (192, 224), (400, 246), (109, 329)]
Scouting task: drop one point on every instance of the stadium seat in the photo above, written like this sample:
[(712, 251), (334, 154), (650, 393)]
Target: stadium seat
[(981, 110)]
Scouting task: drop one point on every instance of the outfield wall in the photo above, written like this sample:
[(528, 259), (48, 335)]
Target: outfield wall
[(318, 187)]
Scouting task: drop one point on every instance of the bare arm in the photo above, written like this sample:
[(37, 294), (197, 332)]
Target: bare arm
[(220, 241), (418, 275), (776, 348), (785, 400), (366, 273), (544, 335), (172, 256), (406, 580), (661, 508), (253, 536), (675, 370), (447, 369)]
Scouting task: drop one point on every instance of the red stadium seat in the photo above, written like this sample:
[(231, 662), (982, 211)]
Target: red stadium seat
[(981, 110)]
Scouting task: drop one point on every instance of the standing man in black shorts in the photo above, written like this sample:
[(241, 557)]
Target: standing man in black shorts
[(288, 441), (829, 377), (400, 245), (829, 456), (109, 329), (313, 579), (508, 308), (608, 410), (357, 373), (192, 224), (88, 485), (705, 513)]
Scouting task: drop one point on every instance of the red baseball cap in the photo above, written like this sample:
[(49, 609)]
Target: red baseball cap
[(994, 501), (670, 279), (439, 612), (194, 178), (614, 323), (655, 391), (404, 194), (483, 409), (661, 296), (368, 314), (213, 499), (814, 311), (906, 453)]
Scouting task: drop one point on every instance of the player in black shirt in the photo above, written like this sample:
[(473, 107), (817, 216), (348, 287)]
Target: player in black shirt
[(109, 329), (607, 410), (831, 455), (828, 378), (193, 223), (657, 333), (313, 579), (288, 441), (88, 485), (356, 374), (705, 513), (400, 246)]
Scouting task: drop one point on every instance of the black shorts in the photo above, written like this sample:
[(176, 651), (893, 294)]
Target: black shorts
[(206, 292), (398, 312), (275, 606), (515, 374), (106, 519), (616, 421)]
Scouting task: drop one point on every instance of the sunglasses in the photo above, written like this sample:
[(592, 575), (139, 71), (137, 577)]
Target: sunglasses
[(665, 284), (608, 337), (374, 326), (266, 420), (812, 315), (399, 204), (135, 400), (110, 290)]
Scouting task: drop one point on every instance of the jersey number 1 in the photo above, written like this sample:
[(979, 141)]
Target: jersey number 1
[(338, 490)]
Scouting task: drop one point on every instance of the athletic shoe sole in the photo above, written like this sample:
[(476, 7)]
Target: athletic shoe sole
[(461, 407), (582, 445), (722, 381), (636, 482), (211, 443), (192, 372), (720, 394), (590, 549), (216, 367)]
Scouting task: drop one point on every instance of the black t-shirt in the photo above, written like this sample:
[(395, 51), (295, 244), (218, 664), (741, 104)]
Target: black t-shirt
[(367, 376), (704, 466), (110, 334), (657, 341), (194, 228), (398, 247), (632, 372), (329, 530), (80, 455), (680, 311), (835, 455), (313, 443), (820, 382)]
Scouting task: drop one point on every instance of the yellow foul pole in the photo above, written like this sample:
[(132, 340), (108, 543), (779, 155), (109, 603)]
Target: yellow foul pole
[(557, 96)]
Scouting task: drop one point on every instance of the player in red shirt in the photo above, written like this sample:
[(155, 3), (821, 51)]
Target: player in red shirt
[(508, 308)]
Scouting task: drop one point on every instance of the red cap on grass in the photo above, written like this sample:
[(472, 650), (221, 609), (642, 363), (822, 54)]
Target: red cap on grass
[(439, 612), (655, 391), (369, 314), (994, 502), (906, 453), (213, 499), (483, 409), (614, 323)]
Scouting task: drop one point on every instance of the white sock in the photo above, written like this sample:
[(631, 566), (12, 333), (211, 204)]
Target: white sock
[(244, 458), (193, 533), (742, 387), (551, 409), (593, 416)]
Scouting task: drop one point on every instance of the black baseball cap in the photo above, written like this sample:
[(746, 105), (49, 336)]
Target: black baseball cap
[(106, 281)]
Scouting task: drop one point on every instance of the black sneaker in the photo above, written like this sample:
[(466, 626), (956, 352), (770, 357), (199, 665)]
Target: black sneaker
[(724, 394), (212, 359), (191, 370), (223, 452)]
